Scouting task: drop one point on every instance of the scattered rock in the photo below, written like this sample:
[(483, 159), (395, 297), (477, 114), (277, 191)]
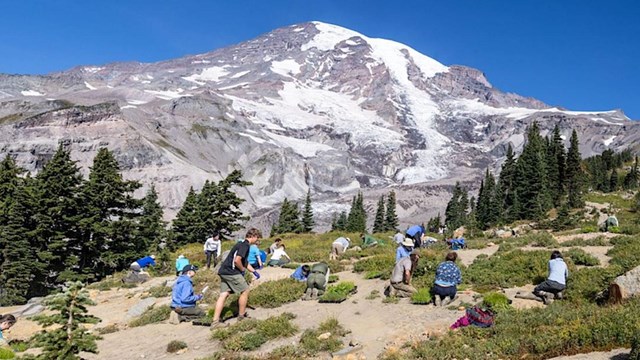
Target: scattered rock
[(349, 353), (324, 336), (625, 286), (141, 307)]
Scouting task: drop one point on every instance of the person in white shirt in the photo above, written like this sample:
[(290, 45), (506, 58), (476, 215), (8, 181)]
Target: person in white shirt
[(552, 288), (279, 257), (339, 246), (213, 246)]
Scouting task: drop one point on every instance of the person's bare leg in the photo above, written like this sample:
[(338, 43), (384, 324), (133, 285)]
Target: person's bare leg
[(242, 302), (219, 306)]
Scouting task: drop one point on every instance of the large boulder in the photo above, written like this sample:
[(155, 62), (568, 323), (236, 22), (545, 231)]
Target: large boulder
[(142, 306), (625, 286)]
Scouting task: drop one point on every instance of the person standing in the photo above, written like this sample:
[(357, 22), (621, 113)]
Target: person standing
[(400, 285), (212, 246), (447, 278), (232, 279), (183, 299), (552, 288)]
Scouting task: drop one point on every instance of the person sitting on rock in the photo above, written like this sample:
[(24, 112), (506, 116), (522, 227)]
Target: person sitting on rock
[(400, 285), (301, 273), (183, 299), (339, 246), (447, 278), (139, 265), (6, 322), (404, 250), (181, 262), (552, 288), (279, 257), (317, 281)]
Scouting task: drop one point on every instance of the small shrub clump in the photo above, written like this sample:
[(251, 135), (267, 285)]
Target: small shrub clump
[(175, 346), (421, 297), (581, 257), (339, 292), (272, 294), (496, 301), (153, 315), (250, 334), (6, 354)]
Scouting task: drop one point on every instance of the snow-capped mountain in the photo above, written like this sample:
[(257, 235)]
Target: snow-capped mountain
[(309, 106)]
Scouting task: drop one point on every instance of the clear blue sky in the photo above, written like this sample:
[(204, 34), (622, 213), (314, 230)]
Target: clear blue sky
[(580, 54)]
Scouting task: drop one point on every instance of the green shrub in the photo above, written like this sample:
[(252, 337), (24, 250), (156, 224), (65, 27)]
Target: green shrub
[(598, 241), (589, 284), (635, 348), (421, 297), (505, 270), (250, 334), (626, 252), (153, 315), (272, 294), (614, 229), (310, 343), (581, 257), (585, 229), (373, 274), (19, 345), (6, 354), (338, 292), (496, 301), (542, 333), (333, 278), (175, 346), (379, 263), (158, 291)]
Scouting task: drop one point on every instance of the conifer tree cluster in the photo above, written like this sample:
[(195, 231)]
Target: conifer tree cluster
[(291, 220), (356, 221), (57, 227), (216, 207), (607, 171)]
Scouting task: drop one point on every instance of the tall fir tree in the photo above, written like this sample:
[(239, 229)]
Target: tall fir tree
[(341, 224), (289, 219), (357, 219), (631, 179), (487, 210), (68, 316), (531, 181), (379, 222), (555, 166), (506, 188), (457, 208), (9, 183), (613, 180), (223, 208), (186, 220), (574, 174), (307, 214), (391, 222), (151, 226)]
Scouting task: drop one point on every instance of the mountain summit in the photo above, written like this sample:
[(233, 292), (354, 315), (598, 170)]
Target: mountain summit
[(308, 106)]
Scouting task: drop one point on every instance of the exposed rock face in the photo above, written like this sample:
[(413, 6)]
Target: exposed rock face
[(309, 106), (625, 286)]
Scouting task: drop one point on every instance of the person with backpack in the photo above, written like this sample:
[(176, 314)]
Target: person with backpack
[(448, 276), (416, 233), (212, 246), (183, 299), (6, 322), (556, 282), (317, 281), (232, 279)]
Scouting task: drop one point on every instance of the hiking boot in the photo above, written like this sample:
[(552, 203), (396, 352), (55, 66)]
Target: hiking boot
[(437, 301), (174, 318), (307, 295)]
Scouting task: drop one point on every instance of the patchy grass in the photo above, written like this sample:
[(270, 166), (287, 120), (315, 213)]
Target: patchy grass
[(176, 345), (599, 241), (581, 257), (374, 294), (422, 297), (109, 329), (153, 315), (310, 345), (272, 294), (250, 334), (515, 268), (6, 353), (158, 291)]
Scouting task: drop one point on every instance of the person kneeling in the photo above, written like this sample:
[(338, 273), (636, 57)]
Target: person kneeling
[(447, 278), (400, 285), (183, 299), (317, 281)]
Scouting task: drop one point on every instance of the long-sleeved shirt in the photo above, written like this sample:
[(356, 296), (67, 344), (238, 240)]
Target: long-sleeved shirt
[(416, 231), (448, 274), (402, 252), (213, 245), (182, 295), (299, 274), (558, 271), (146, 261)]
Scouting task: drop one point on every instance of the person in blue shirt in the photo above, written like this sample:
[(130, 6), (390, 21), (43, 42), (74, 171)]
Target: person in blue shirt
[(447, 278), (181, 262), (301, 273), (416, 232), (6, 322), (255, 258), (183, 298), (138, 265), (404, 249), (552, 288)]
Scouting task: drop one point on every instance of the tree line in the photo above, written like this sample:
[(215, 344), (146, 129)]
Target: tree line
[(58, 226)]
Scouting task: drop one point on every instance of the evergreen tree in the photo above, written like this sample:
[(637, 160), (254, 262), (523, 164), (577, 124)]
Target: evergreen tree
[(390, 218), (9, 180), (334, 222), (613, 180), (222, 206), (631, 179), (506, 189), (289, 219), (456, 211), (555, 166), (307, 215), (574, 174), (185, 222), (434, 223), (59, 210), (357, 219), (341, 224), (379, 222), (69, 315), (151, 226), (487, 209), (531, 181)]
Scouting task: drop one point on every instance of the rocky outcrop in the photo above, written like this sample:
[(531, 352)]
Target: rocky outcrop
[(625, 286)]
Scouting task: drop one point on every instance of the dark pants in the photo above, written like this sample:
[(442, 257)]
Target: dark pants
[(209, 255), (444, 291), (417, 241), (549, 286), (189, 313)]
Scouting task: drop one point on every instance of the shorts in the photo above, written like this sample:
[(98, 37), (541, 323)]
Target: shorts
[(337, 248), (234, 284)]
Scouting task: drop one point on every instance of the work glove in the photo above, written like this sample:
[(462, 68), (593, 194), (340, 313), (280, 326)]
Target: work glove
[(256, 274)]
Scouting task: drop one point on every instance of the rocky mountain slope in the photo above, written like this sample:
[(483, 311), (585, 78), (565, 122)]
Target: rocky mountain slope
[(309, 106)]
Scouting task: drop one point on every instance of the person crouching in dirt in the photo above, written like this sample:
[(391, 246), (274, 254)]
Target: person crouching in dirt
[(139, 265), (447, 278), (400, 285), (317, 281), (552, 288), (301, 273), (404, 249), (339, 246), (183, 299), (6, 322)]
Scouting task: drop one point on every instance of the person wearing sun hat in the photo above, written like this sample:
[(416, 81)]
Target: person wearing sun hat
[(404, 249), (183, 298)]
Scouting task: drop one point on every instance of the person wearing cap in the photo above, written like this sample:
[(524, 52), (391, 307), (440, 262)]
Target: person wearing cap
[(404, 249), (181, 262), (447, 278), (400, 285), (416, 233), (232, 279), (183, 298), (212, 246), (339, 246), (138, 265)]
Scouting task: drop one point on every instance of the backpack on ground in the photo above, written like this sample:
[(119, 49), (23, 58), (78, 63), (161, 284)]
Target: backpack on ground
[(480, 317)]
